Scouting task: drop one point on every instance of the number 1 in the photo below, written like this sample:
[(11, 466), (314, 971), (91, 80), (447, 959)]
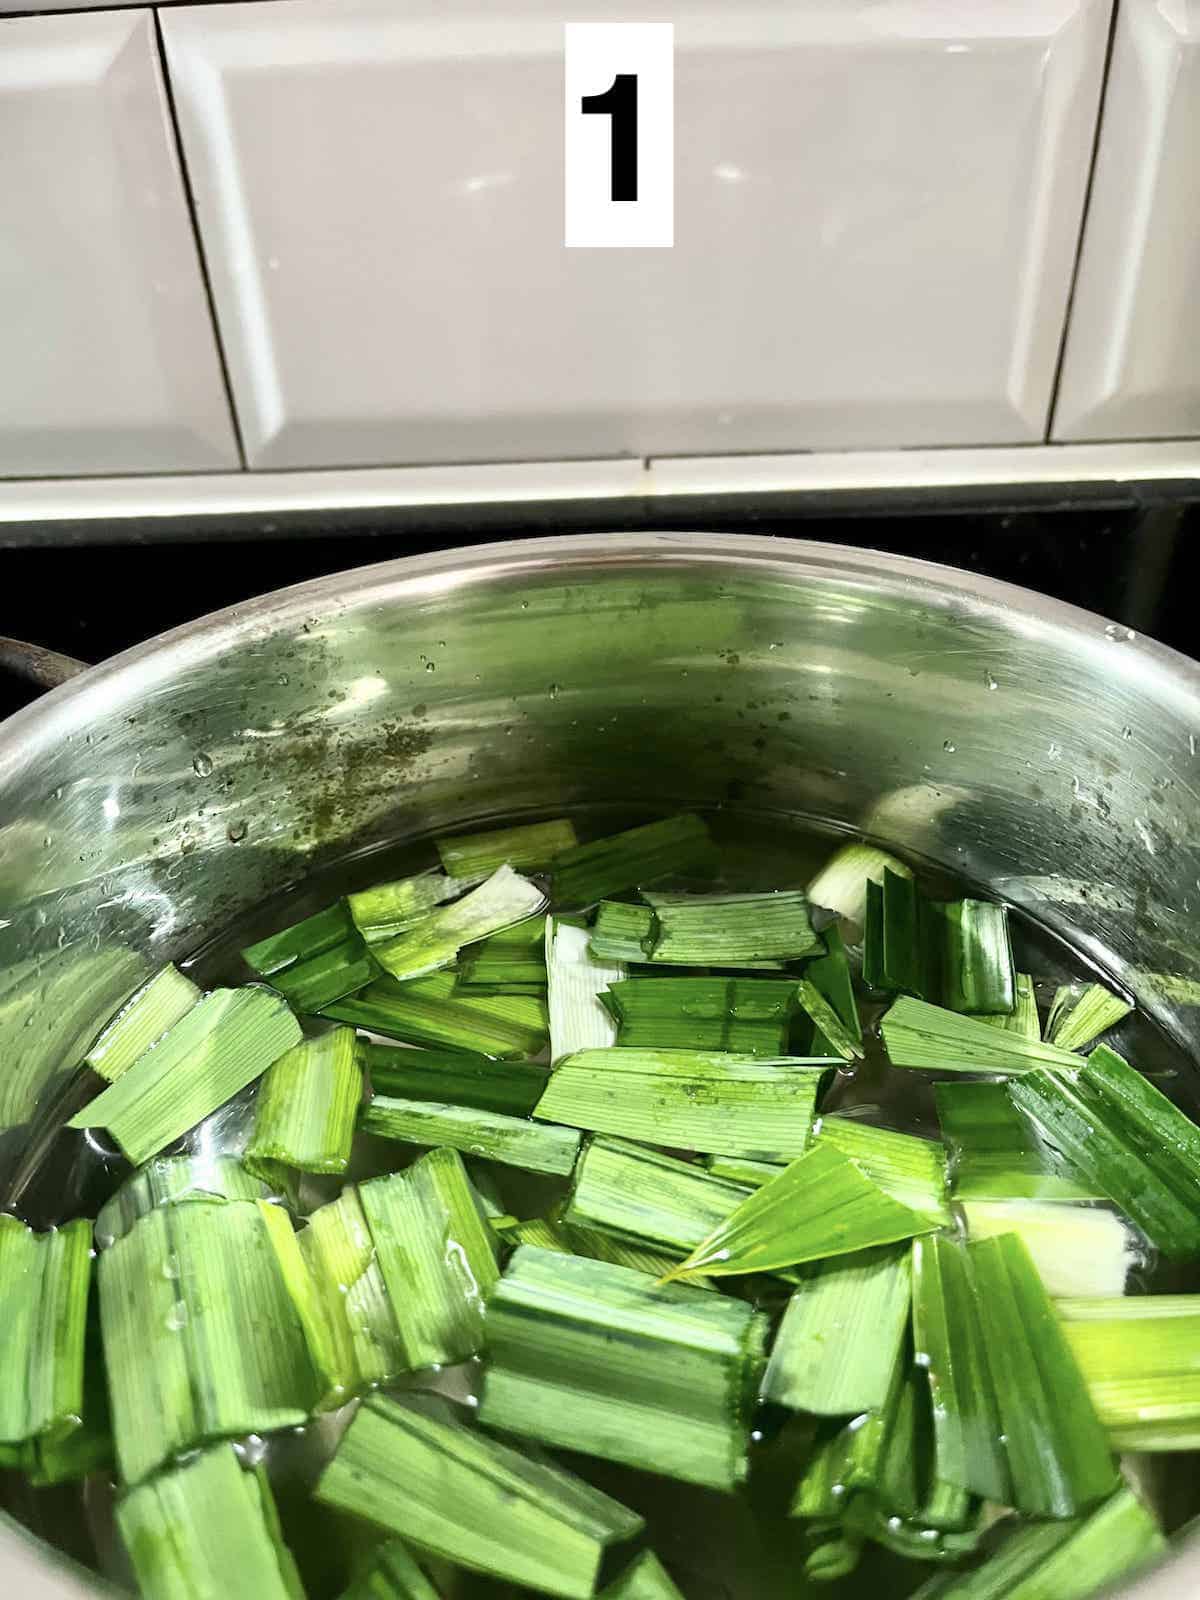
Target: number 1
[(620, 102)]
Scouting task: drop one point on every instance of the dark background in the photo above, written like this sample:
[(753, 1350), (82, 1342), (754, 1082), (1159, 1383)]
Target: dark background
[(1126, 557)]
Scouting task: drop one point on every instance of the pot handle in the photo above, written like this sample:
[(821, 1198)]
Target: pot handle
[(33, 663)]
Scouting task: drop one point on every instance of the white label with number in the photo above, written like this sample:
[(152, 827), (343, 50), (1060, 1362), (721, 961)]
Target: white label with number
[(620, 134)]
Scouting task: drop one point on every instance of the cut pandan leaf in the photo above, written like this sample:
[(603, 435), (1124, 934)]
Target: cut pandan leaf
[(207, 1530), (645, 1197), (830, 1029), (430, 1011), (576, 979), (1115, 1130), (850, 1460), (175, 1180), (44, 1280), (455, 1077), (951, 1346), (477, 1502), (436, 1254), (513, 1141), (992, 1151), (547, 1234), (1057, 1454), (605, 867), (977, 974), (911, 1170), (643, 1579), (388, 909), (739, 1169), (226, 1041), (1023, 1018), (506, 898), (340, 1253), (830, 976), (185, 1298), (1077, 1249), (918, 1034), (67, 1457), (330, 1347), (731, 930), (507, 965), (307, 1105), (1140, 1358), (747, 1015), (141, 1021), (1060, 1560), (821, 1205), (841, 1334), (327, 977), (393, 1574), (688, 1099), (596, 1358), (956, 953), (622, 933), (301, 942), (533, 846), (1081, 1012), (841, 884)]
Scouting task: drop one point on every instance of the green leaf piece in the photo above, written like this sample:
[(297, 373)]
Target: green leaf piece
[(475, 1501), (307, 1105), (587, 1356), (512, 962), (436, 1254), (548, 1234), (993, 1153), (1060, 1560), (829, 1028), (1140, 1358), (506, 898), (392, 1574), (977, 973), (1113, 1129), (831, 977), (328, 977), (1077, 1249), (647, 1198), (1023, 1018), (951, 1346), (731, 930), (738, 1169), (645, 1578), (911, 1170), (532, 846), (623, 861), (1058, 1458), (513, 1141), (431, 1011), (1081, 1012), (953, 953), (821, 1205), (226, 1041), (688, 1099), (576, 980), (388, 909), (315, 1302), (749, 1016), (157, 1006), (184, 1297), (454, 1077), (207, 1530), (841, 1335), (44, 1280), (622, 933), (850, 1459), (337, 1246), (301, 942), (918, 1034), (175, 1180)]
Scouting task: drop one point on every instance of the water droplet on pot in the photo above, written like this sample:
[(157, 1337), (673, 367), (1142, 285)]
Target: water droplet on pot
[(1053, 751), (283, 680), (1127, 732), (202, 764), (1117, 632), (47, 841), (949, 746), (236, 832), (991, 682), (553, 693)]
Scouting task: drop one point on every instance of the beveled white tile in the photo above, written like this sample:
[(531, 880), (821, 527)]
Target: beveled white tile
[(108, 357), (1132, 364), (877, 210)]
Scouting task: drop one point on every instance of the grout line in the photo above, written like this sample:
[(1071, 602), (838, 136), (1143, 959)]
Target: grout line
[(190, 200), (1101, 108)]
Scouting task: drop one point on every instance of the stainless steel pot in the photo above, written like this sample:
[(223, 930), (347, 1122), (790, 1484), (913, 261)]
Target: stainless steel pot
[(1022, 743)]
